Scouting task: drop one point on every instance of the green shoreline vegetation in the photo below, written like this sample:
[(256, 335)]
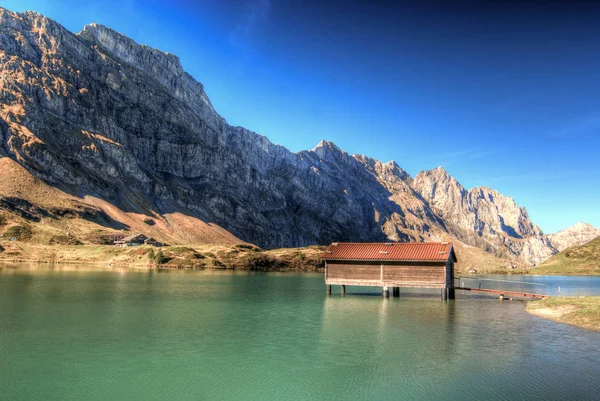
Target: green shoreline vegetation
[(243, 257), (577, 311), (582, 260), (191, 257)]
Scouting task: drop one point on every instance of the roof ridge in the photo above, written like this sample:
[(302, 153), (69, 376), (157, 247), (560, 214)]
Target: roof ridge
[(403, 251), (397, 243)]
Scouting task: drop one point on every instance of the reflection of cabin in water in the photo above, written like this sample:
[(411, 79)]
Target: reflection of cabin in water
[(395, 265), (136, 240)]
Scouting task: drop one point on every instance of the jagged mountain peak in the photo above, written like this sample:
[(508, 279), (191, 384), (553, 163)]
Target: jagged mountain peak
[(329, 151), (397, 170), (483, 215), (580, 225), (26, 20), (24, 14), (438, 174), (577, 234), (126, 48), (438, 181), (138, 135), (381, 169), (439, 171), (325, 144)]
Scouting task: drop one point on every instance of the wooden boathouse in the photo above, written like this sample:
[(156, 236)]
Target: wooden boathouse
[(391, 265)]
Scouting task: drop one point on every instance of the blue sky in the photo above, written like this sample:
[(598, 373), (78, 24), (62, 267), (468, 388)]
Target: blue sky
[(504, 95)]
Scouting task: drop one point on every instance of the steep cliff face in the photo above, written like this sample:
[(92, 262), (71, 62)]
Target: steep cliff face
[(97, 114), (122, 126), (482, 210), (499, 224)]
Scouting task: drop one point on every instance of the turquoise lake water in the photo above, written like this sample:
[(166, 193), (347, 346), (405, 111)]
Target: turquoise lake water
[(99, 334)]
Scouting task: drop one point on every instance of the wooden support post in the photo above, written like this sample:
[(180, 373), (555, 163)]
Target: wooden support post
[(451, 293), (386, 292), (343, 289), (328, 289)]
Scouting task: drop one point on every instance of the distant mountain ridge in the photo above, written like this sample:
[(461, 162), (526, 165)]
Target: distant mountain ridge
[(578, 234), (122, 129), (581, 259)]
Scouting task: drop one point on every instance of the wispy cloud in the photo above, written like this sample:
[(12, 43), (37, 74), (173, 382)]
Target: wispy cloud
[(587, 125), (255, 14)]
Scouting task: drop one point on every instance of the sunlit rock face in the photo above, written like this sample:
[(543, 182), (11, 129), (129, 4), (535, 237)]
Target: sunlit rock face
[(577, 234), (96, 113), (483, 217)]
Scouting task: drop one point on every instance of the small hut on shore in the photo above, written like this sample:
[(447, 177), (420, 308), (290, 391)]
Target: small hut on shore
[(391, 265)]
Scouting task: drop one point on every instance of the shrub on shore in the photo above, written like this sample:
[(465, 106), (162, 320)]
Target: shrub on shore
[(64, 240), (262, 261), (19, 232), (160, 258)]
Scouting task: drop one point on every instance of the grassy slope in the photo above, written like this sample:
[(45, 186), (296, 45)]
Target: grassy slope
[(577, 260), (470, 257), (41, 216), (200, 256), (50, 212), (577, 311)]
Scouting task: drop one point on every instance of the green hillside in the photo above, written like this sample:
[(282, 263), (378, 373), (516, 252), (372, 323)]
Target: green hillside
[(577, 260)]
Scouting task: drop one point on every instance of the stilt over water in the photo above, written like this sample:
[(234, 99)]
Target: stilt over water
[(395, 265)]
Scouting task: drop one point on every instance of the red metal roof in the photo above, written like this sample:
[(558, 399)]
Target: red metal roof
[(397, 251)]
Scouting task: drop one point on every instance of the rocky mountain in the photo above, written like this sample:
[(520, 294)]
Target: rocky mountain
[(583, 259), (578, 234), (499, 224), (123, 138)]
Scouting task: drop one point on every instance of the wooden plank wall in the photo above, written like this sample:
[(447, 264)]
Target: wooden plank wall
[(408, 273), (393, 273), (353, 271)]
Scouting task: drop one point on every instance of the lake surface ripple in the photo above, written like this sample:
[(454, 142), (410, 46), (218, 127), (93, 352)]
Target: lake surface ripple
[(85, 334)]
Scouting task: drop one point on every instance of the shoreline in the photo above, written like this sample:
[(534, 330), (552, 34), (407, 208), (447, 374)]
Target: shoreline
[(242, 257), (316, 268), (583, 312)]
